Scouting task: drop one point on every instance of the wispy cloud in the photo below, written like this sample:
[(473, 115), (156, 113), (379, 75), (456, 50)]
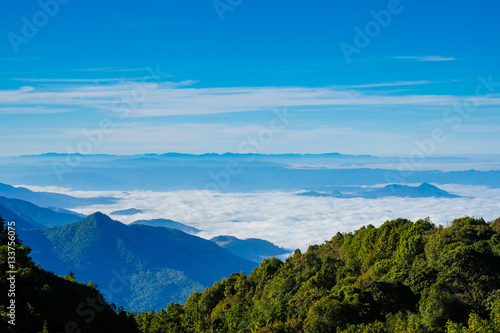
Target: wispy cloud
[(389, 84), (178, 98), (32, 110), (66, 80), (114, 69), (427, 58), (132, 137)]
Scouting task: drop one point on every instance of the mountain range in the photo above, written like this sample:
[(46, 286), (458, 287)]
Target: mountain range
[(49, 199), (156, 265), (257, 172), (160, 260), (30, 216)]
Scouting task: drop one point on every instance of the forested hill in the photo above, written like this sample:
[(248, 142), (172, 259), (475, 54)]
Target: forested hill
[(33, 300), (400, 277), (162, 265)]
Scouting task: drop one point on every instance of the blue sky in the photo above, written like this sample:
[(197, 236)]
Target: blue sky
[(209, 76)]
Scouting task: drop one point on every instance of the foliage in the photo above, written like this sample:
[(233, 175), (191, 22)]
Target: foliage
[(401, 277)]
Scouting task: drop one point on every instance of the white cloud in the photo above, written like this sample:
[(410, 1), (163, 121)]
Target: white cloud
[(427, 58), (32, 110), (390, 84), (65, 80), (483, 128), (294, 221), (111, 69), (174, 98)]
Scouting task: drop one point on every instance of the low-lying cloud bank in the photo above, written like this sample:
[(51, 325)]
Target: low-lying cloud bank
[(289, 220)]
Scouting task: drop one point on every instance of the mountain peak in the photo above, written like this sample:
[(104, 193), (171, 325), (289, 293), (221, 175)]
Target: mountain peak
[(99, 221), (100, 217)]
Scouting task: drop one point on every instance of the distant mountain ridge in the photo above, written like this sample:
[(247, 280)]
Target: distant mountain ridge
[(21, 223), (253, 249), (33, 216), (424, 190), (227, 154), (166, 223), (129, 211), (49, 199), (393, 190)]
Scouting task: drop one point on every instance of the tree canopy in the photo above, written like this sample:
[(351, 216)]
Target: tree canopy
[(401, 277)]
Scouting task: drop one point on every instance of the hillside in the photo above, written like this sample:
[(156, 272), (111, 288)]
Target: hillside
[(45, 302), (161, 264), (22, 223), (253, 249), (400, 277), (49, 199), (34, 215)]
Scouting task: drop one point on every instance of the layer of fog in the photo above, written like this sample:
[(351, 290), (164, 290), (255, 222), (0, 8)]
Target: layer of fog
[(289, 220)]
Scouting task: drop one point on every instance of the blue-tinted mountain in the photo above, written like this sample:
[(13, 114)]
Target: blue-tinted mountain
[(168, 224), (127, 212), (253, 249), (423, 191), (48, 199), (35, 215), (45, 302), (65, 211), (335, 194), (21, 223), (394, 190), (155, 265), (287, 172)]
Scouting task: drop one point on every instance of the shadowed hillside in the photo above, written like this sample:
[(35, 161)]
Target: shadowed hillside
[(45, 302)]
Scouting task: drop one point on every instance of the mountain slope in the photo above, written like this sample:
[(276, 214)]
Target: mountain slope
[(21, 223), (253, 249), (48, 199), (160, 264), (47, 217)]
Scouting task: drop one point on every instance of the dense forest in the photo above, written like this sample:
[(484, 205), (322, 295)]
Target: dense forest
[(400, 277)]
